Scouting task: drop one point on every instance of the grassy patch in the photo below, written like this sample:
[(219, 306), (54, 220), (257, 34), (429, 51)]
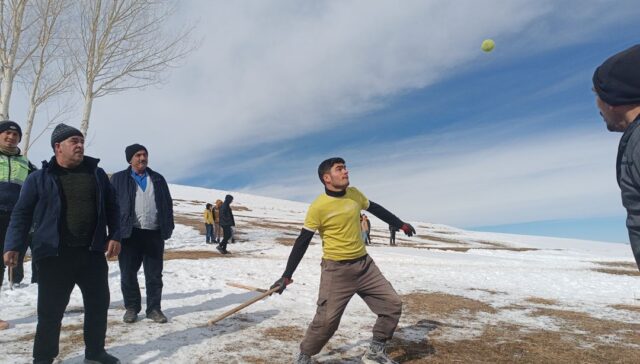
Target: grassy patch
[(541, 301), (190, 254), (619, 272), (284, 333), (442, 304)]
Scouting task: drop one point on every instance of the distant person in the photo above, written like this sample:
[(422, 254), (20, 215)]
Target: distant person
[(347, 269), (217, 230), (14, 169), (392, 235), (617, 86), (226, 223), (368, 224), (363, 229), (75, 217), (208, 223), (146, 221)]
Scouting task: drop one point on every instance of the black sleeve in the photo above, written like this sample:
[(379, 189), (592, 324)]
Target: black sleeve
[(299, 248), (384, 215)]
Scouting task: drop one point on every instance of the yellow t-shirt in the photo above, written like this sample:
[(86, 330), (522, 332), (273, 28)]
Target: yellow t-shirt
[(338, 221)]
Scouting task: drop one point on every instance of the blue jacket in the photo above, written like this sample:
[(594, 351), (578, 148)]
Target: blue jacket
[(40, 207), (126, 188)]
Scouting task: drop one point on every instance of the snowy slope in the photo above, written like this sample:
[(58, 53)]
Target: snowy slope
[(439, 259)]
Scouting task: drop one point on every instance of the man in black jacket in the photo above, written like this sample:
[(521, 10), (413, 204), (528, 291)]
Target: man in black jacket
[(617, 86), (69, 204), (226, 223), (146, 220)]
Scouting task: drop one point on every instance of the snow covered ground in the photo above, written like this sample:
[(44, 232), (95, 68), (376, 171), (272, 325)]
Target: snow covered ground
[(500, 270)]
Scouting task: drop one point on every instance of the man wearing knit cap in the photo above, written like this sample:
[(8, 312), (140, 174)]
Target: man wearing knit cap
[(617, 86), (74, 214), (146, 221), (14, 169)]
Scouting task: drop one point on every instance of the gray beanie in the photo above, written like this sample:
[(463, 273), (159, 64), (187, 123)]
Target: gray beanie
[(62, 132)]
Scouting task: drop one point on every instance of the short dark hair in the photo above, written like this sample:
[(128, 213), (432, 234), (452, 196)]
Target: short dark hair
[(325, 166)]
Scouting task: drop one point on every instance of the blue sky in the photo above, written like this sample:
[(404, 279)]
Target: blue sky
[(431, 127)]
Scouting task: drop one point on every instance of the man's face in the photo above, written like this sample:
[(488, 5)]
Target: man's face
[(612, 116), (9, 139), (139, 161), (70, 152), (338, 177)]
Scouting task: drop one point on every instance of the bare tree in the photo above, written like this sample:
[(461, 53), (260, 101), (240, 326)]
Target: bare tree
[(16, 47), (125, 46), (51, 66)]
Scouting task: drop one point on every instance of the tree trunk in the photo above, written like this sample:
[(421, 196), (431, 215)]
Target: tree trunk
[(26, 135), (5, 95), (86, 111)]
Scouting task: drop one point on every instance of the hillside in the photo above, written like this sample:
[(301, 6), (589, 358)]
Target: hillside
[(468, 297)]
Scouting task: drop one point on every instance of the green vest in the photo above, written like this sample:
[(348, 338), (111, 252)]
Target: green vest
[(14, 169)]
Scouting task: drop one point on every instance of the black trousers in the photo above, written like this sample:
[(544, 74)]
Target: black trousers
[(18, 270), (146, 248), (58, 277), (226, 235)]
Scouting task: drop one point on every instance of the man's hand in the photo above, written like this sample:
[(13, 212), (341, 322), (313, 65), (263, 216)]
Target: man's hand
[(113, 249), (11, 258), (408, 229), (281, 283)]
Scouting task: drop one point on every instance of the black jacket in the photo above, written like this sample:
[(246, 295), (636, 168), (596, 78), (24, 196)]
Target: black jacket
[(126, 187), (39, 207), (628, 170), (226, 215)]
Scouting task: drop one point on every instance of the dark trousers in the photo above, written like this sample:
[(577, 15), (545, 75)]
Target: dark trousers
[(58, 277), (226, 235), (146, 248), (209, 228), (18, 270)]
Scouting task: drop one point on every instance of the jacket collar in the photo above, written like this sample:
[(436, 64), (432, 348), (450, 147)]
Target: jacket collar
[(88, 161)]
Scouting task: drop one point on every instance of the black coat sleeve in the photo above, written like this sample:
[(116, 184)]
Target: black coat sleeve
[(299, 248), (384, 215)]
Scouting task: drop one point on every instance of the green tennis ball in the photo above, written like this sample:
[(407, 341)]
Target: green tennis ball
[(488, 45)]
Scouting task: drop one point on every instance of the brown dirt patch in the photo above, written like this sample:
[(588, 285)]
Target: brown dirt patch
[(274, 225), (510, 344), (191, 220), (285, 241), (442, 304), (487, 290), (622, 265), (191, 202), (593, 326), (284, 333), (620, 272), (441, 239), (541, 301), (627, 307), (190, 254)]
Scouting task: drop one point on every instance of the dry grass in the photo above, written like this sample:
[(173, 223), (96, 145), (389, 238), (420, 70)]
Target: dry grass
[(191, 220), (621, 265), (442, 304), (487, 290), (441, 239), (285, 241), (190, 254), (581, 339), (541, 301), (620, 272), (284, 333), (627, 307)]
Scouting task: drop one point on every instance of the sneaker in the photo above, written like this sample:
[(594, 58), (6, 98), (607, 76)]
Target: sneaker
[(102, 358), (157, 316), (130, 316), (303, 358), (219, 248), (376, 354), (4, 325)]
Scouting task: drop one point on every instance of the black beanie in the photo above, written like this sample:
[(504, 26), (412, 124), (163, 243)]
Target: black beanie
[(62, 132), (617, 80), (133, 149), (10, 125)]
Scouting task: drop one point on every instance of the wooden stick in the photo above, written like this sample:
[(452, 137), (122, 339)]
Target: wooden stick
[(11, 278), (243, 305), (250, 288)]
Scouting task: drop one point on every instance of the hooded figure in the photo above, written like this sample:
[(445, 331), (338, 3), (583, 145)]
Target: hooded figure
[(226, 222)]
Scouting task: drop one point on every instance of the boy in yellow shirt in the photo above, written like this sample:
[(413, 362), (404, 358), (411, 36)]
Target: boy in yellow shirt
[(347, 269)]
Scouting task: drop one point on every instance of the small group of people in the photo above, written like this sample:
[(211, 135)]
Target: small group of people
[(219, 221), (365, 229), (75, 218)]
